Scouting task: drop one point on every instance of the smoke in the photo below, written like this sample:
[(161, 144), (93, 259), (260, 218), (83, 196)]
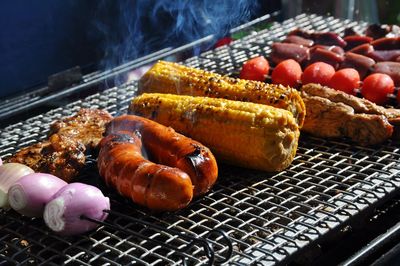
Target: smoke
[(130, 29)]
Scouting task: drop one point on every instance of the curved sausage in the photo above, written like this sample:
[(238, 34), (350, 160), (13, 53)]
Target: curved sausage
[(154, 186), (283, 51), (167, 147)]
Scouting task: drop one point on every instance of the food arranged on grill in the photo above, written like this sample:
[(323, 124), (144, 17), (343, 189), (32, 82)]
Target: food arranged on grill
[(242, 133), (184, 168), (63, 154), (337, 112), (66, 208), (309, 47), (326, 117), (356, 65), (244, 122), (173, 78), (366, 54)]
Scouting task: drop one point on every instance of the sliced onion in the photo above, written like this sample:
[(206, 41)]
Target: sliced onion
[(63, 214), (9, 174), (32, 192)]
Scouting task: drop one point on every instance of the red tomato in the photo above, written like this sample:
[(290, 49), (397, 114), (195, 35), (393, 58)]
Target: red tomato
[(376, 87), (255, 69), (223, 41), (318, 72), (346, 79), (287, 72)]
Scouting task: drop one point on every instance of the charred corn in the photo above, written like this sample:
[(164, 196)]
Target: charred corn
[(167, 77), (241, 133)]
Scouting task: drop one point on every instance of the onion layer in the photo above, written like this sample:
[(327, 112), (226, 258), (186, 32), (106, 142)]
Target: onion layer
[(9, 174), (63, 214), (32, 192)]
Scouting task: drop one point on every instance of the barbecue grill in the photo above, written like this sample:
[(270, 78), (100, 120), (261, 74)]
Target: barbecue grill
[(248, 217)]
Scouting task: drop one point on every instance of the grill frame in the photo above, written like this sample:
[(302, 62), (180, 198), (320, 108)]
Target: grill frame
[(270, 217)]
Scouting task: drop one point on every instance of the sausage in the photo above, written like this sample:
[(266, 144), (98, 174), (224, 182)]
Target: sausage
[(356, 40), (359, 62), (283, 51), (298, 40), (386, 43), (390, 68), (155, 186), (328, 38), (324, 55), (363, 49), (167, 147), (384, 55)]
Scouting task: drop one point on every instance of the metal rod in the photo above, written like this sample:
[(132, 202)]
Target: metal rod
[(391, 235)]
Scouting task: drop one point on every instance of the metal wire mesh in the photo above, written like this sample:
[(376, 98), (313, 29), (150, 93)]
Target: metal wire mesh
[(270, 217)]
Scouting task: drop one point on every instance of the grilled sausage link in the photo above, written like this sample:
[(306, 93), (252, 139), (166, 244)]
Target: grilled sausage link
[(154, 186), (163, 145)]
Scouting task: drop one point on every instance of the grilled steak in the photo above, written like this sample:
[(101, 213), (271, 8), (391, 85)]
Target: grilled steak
[(332, 113), (63, 154)]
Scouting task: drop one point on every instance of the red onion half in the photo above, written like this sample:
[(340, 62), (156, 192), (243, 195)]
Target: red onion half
[(63, 214)]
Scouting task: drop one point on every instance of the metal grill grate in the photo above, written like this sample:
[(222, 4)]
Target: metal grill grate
[(270, 218)]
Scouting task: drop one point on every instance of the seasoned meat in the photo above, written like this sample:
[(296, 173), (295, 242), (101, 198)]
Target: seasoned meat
[(331, 113), (87, 127), (359, 105), (63, 154)]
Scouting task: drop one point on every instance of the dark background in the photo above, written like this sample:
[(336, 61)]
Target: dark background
[(38, 39)]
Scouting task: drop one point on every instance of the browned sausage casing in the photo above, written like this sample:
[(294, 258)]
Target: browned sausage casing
[(122, 163)]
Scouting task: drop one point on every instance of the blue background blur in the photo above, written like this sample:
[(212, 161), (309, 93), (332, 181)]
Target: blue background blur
[(39, 38)]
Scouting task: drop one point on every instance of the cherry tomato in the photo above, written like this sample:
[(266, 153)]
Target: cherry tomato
[(318, 72), (287, 72), (255, 69), (346, 79), (376, 87), (223, 41)]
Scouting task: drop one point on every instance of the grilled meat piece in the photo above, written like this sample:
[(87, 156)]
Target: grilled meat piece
[(359, 62), (283, 51), (63, 154), (389, 68), (87, 127), (359, 105), (332, 113)]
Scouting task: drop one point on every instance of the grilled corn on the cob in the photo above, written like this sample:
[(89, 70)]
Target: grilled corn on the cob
[(167, 77), (242, 133)]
